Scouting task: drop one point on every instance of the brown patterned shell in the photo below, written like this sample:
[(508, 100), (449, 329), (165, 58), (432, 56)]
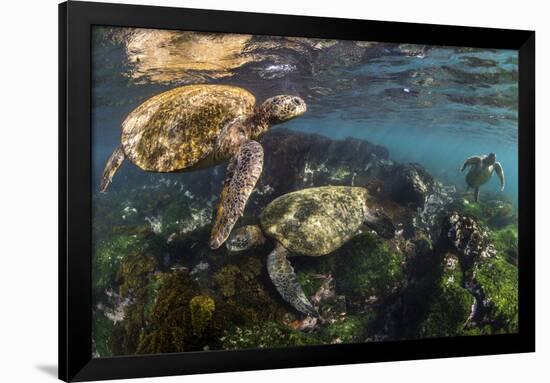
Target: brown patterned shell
[(315, 221), (175, 129)]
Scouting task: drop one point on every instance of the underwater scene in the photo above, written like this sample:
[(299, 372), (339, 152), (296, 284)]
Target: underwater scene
[(262, 191)]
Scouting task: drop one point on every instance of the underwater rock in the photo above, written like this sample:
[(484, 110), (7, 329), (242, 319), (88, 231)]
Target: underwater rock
[(409, 184), (464, 236), (495, 285), (487, 275), (451, 305), (406, 313), (102, 328), (505, 241), (313, 160), (428, 219), (490, 210), (268, 334), (350, 329), (182, 318), (368, 271), (245, 290), (110, 253), (137, 294), (202, 308)]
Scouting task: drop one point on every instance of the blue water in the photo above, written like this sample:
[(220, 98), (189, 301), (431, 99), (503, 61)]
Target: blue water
[(431, 105)]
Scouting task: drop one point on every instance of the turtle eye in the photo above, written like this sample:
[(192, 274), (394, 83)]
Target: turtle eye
[(296, 101)]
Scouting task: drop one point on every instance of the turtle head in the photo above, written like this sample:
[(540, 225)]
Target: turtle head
[(491, 159), (245, 238), (283, 108), (378, 221)]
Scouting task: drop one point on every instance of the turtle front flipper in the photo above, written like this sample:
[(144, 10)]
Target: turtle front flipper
[(283, 277), (242, 174), (111, 167), (471, 161), (500, 173)]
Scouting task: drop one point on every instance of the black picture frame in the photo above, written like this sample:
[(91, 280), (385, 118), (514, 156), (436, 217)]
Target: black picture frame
[(75, 321)]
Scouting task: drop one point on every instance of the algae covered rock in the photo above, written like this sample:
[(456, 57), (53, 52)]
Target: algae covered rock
[(181, 320), (202, 309), (450, 305), (491, 280), (368, 269), (351, 329), (467, 238), (135, 273), (496, 283), (109, 253), (491, 211), (265, 335), (243, 286), (313, 160), (102, 328), (505, 241)]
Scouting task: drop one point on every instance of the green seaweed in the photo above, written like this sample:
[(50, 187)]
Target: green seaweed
[(506, 243), (369, 268), (243, 286), (265, 335), (450, 303), (135, 273), (498, 281), (351, 329), (108, 255), (170, 328), (202, 309), (102, 327)]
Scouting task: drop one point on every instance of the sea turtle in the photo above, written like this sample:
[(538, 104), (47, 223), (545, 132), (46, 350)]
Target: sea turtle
[(481, 170), (196, 126), (310, 222)]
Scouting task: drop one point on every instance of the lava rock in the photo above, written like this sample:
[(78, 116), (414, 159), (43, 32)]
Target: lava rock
[(409, 184), (465, 237)]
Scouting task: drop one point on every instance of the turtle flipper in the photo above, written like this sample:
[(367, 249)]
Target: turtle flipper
[(111, 167), (242, 174), (471, 161), (500, 173), (283, 277), (476, 194)]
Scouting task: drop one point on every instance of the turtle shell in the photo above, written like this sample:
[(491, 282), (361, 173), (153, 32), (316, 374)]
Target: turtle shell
[(315, 221), (176, 129)]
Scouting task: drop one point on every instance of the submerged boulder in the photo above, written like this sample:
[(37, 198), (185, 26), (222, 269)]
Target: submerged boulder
[(409, 184), (451, 305), (495, 284), (467, 238), (368, 271)]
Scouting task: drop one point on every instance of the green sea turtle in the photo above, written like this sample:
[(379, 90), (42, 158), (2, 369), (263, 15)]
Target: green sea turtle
[(481, 170), (196, 126), (310, 222)]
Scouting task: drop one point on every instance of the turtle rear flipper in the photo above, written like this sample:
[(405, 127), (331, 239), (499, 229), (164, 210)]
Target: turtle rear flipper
[(476, 194), (283, 277), (111, 167), (243, 172)]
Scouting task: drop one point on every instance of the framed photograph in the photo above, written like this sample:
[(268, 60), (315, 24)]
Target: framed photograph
[(246, 191)]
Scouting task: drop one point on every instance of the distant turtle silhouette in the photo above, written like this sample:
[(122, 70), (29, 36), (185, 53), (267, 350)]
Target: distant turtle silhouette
[(481, 170)]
